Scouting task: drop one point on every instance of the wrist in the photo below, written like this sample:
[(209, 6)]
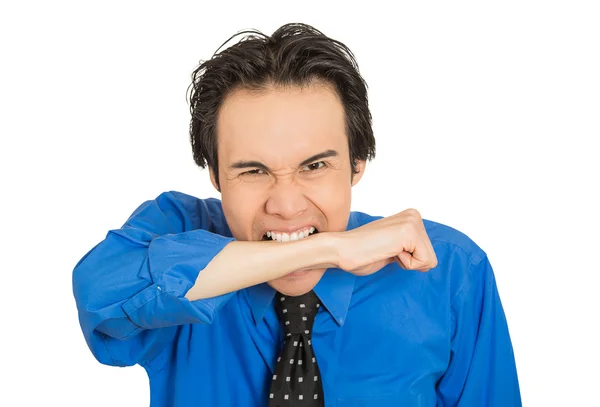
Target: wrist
[(325, 249)]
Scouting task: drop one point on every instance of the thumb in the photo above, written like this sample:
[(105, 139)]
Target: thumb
[(405, 260)]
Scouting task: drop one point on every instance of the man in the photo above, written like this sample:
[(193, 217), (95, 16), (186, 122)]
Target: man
[(277, 294)]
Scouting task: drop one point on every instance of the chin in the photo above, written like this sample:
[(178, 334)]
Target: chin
[(297, 283)]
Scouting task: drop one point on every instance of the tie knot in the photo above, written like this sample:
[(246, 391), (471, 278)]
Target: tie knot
[(297, 314)]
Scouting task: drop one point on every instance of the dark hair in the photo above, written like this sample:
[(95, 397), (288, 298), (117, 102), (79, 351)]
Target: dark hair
[(296, 54)]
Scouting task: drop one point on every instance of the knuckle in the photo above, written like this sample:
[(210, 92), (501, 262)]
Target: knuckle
[(414, 213)]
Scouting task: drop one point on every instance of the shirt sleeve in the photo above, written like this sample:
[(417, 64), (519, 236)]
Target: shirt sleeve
[(130, 288), (482, 370)]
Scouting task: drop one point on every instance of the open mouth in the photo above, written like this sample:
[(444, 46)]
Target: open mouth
[(285, 237)]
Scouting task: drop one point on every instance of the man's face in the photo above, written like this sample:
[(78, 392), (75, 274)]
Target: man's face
[(268, 178)]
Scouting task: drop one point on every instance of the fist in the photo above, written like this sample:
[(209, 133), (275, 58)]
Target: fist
[(400, 238)]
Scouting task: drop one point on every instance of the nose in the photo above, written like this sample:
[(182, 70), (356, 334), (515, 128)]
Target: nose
[(286, 200)]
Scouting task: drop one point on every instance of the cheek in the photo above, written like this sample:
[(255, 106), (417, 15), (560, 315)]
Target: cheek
[(240, 210), (333, 200)]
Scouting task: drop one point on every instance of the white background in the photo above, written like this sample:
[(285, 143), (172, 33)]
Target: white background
[(487, 119)]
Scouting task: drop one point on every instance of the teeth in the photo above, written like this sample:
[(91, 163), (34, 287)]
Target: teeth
[(285, 237)]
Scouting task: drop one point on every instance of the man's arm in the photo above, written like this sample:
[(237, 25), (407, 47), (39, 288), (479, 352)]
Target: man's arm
[(400, 238), (482, 370), (165, 268)]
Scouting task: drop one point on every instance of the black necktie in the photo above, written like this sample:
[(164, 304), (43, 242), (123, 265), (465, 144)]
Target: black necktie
[(297, 380)]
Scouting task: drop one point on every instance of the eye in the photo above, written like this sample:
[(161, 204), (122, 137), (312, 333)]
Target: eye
[(254, 172), (314, 166)]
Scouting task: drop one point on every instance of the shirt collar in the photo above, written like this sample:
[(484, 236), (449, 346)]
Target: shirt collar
[(334, 290)]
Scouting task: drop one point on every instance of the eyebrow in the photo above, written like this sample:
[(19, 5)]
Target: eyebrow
[(258, 164)]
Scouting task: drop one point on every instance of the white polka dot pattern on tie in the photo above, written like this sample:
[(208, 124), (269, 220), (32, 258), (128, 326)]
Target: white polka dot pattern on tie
[(297, 315)]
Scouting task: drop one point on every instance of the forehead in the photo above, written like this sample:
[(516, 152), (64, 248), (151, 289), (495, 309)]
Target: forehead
[(280, 124)]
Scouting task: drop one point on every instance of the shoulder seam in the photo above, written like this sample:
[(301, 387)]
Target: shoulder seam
[(474, 258)]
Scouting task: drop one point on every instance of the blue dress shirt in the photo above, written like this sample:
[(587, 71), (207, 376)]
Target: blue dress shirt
[(394, 338)]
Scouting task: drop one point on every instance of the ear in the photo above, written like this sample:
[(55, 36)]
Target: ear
[(213, 179), (359, 166)]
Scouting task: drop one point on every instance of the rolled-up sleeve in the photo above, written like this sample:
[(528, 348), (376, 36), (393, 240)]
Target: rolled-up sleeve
[(482, 370), (130, 289)]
